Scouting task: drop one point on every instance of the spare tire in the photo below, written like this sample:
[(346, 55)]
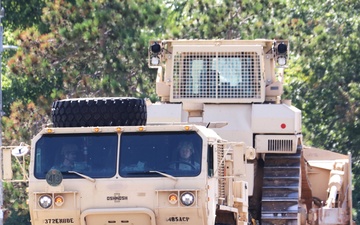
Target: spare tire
[(88, 112)]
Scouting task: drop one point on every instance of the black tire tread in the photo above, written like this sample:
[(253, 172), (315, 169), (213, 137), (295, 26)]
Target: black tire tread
[(88, 112)]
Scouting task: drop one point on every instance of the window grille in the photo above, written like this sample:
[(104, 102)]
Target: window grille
[(216, 75)]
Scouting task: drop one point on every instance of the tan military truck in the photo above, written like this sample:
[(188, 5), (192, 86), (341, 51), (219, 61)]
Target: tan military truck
[(240, 82), (221, 147)]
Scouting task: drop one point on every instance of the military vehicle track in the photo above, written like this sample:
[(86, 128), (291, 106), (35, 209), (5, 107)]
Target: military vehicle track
[(281, 189)]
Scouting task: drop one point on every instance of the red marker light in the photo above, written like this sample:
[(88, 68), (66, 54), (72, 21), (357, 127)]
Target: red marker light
[(283, 126)]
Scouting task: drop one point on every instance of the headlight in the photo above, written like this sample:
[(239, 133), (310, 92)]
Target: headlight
[(173, 198), (155, 60), (59, 200), (187, 198), (282, 60), (45, 201)]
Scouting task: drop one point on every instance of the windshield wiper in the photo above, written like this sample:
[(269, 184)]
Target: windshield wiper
[(81, 175), (164, 174), (154, 171)]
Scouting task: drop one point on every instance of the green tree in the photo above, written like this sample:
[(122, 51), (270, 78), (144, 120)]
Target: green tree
[(324, 75), (208, 19), (90, 48), (91, 51), (21, 14)]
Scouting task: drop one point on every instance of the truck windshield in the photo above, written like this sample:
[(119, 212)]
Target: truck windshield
[(155, 154), (93, 155)]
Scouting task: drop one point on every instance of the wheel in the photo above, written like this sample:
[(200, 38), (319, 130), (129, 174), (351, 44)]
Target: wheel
[(87, 112), (177, 163)]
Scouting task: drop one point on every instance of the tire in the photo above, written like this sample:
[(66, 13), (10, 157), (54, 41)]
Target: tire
[(88, 112)]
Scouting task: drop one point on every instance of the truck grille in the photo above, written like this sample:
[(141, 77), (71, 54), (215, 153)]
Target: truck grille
[(217, 76), (276, 143), (280, 145)]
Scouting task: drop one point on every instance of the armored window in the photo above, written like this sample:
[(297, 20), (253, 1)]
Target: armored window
[(93, 155), (159, 154), (217, 75)]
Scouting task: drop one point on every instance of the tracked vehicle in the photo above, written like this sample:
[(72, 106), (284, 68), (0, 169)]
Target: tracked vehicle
[(119, 160), (240, 83)]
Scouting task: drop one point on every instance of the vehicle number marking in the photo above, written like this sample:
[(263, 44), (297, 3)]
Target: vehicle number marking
[(178, 218), (58, 221)]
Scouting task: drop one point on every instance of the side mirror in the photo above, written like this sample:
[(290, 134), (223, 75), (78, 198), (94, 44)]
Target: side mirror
[(7, 153), (6, 163)]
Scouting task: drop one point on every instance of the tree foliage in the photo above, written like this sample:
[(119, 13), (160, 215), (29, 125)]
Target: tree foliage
[(324, 77), (90, 51), (227, 19), (23, 14), (93, 48)]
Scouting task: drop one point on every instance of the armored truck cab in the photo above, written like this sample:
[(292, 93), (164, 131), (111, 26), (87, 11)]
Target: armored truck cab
[(135, 175)]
